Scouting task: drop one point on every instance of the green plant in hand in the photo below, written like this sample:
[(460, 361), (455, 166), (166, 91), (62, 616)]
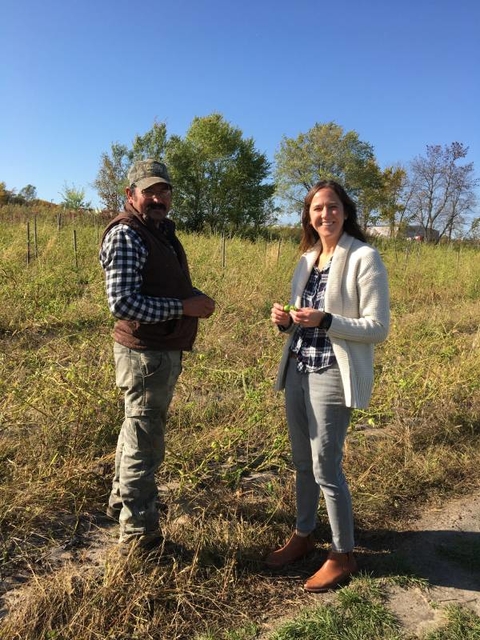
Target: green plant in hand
[(289, 307)]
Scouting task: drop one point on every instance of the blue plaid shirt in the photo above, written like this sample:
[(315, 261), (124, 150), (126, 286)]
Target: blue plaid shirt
[(311, 345), (123, 255)]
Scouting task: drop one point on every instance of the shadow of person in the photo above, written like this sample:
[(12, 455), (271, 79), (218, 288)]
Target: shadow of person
[(445, 558)]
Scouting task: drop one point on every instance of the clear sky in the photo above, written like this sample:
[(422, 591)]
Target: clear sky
[(77, 76)]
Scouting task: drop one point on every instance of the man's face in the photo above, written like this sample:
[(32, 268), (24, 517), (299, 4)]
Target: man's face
[(153, 202)]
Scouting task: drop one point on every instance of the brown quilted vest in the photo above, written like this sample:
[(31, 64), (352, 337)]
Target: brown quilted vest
[(165, 274)]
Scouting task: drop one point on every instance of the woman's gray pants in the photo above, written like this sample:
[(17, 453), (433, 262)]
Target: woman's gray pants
[(318, 421)]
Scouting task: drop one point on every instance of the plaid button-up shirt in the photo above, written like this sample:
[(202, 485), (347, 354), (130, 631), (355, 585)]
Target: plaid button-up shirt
[(311, 345), (123, 255)]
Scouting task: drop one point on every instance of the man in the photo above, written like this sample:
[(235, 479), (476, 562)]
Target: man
[(150, 294)]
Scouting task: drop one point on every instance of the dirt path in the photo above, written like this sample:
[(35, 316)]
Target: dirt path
[(427, 548)]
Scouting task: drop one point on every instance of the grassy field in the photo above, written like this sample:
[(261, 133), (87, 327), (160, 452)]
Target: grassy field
[(227, 476)]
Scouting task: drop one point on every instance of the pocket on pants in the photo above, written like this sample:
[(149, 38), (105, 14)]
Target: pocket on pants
[(157, 373), (147, 379)]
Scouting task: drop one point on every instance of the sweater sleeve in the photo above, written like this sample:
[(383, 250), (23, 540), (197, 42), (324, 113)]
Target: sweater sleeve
[(363, 315)]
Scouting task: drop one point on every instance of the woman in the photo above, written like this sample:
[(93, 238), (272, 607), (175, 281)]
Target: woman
[(339, 310)]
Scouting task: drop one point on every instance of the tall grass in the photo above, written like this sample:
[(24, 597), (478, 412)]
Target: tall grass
[(227, 476)]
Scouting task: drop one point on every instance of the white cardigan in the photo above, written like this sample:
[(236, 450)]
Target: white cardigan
[(357, 297)]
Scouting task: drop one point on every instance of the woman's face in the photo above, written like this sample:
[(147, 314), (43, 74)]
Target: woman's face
[(327, 215)]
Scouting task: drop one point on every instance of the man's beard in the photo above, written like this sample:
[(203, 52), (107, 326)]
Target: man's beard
[(156, 206), (149, 213)]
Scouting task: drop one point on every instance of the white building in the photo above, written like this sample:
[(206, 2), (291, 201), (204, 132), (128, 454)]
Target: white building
[(410, 232)]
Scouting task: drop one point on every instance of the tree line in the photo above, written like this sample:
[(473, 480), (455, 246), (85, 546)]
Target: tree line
[(72, 197), (223, 184)]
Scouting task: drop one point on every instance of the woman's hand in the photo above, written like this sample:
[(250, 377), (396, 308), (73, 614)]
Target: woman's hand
[(307, 317), (280, 317)]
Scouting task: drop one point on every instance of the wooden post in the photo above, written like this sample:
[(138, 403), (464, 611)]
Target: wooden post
[(28, 243), (75, 247), (224, 252), (35, 236)]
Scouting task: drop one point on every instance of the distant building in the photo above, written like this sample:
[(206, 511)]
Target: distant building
[(382, 231), (410, 232)]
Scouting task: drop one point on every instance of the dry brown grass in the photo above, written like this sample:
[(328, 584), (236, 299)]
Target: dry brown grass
[(227, 476)]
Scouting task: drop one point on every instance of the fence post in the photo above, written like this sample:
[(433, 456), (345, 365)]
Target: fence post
[(28, 243), (75, 248), (224, 251), (35, 236)]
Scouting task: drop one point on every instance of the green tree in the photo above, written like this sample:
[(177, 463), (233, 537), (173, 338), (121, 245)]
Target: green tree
[(473, 232), (151, 145), (220, 179), (394, 198), (3, 193), (73, 198), (28, 194), (327, 152), (369, 193), (111, 179), (9, 196)]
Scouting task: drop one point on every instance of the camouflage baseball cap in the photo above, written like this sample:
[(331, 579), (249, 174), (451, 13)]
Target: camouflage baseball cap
[(145, 173)]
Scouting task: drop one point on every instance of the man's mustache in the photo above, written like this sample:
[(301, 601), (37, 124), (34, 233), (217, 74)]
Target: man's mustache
[(156, 206)]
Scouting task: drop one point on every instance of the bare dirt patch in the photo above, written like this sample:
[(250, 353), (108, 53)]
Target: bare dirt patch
[(440, 547)]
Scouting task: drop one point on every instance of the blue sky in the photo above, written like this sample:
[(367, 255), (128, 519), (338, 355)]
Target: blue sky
[(78, 76)]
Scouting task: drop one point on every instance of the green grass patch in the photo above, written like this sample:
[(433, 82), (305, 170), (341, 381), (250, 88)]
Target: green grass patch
[(462, 624)]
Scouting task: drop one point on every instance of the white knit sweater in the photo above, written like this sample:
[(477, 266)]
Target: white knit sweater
[(357, 297)]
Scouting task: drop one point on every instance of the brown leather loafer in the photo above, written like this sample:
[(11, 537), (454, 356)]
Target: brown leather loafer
[(338, 568), (297, 547)]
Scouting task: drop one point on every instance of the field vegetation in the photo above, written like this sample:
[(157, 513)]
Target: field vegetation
[(227, 478)]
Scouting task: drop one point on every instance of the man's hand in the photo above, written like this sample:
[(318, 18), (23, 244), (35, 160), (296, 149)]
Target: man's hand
[(198, 306)]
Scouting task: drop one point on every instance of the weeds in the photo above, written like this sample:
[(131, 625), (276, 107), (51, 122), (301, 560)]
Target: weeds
[(227, 475)]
